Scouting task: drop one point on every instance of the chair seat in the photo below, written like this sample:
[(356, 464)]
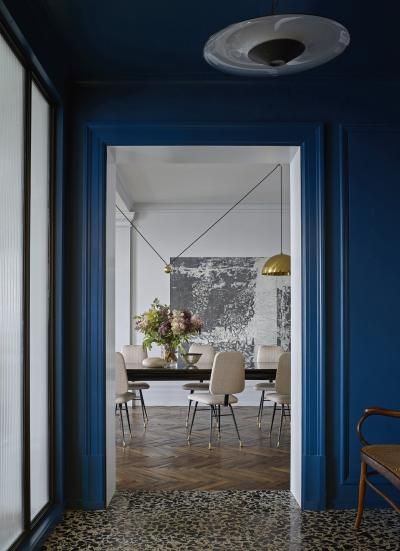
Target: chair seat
[(387, 455), (123, 398), (195, 386), (211, 399), (278, 398), (264, 386), (138, 385)]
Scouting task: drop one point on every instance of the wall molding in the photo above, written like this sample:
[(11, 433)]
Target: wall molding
[(203, 207), (91, 365), (345, 479)]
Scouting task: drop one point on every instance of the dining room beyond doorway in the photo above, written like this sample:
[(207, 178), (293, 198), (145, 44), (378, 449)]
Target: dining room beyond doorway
[(195, 228)]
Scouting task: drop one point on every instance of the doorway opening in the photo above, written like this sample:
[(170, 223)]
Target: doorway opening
[(171, 194)]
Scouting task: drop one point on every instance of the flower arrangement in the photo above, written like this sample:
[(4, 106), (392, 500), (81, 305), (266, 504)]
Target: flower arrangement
[(168, 328)]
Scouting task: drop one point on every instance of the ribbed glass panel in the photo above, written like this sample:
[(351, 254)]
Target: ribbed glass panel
[(39, 302), (11, 287)]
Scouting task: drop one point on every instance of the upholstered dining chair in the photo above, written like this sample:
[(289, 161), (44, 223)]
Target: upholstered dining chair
[(227, 379), (122, 394), (207, 352), (135, 353), (281, 395), (381, 459), (266, 353)]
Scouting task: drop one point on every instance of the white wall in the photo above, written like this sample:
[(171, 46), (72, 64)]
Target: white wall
[(110, 330), (296, 315), (251, 230), (123, 295)]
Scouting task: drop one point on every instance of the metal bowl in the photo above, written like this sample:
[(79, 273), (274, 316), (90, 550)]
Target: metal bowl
[(191, 358)]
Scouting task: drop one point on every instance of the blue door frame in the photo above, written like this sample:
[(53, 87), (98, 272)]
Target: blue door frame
[(91, 401)]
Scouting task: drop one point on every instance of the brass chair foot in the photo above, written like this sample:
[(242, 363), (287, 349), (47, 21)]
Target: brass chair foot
[(240, 444), (209, 446)]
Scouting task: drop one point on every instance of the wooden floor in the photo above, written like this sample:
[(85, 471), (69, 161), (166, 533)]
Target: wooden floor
[(159, 457)]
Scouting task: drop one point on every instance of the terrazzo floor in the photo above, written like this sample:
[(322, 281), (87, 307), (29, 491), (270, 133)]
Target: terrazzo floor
[(218, 521)]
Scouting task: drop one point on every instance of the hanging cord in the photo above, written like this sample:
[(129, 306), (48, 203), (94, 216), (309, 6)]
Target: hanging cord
[(274, 6), (173, 259), (281, 212), (141, 235), (226, 213)]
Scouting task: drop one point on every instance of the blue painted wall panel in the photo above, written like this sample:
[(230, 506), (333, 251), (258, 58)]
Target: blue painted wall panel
[(353, 176)]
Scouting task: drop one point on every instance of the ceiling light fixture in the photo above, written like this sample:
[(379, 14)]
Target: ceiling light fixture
[(279, 264), (276, 44)]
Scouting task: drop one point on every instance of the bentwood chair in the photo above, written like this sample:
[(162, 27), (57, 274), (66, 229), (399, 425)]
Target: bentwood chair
[(382, 459), (207, 352), (266, 354), (122, 394), (135, 353), (227, 378), (281, 395)]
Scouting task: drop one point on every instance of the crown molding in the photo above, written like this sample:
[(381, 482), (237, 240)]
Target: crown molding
[(142, 208), (121, 221)]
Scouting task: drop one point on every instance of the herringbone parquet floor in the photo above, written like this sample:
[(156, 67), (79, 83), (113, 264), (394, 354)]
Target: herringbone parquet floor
[(159, 457)]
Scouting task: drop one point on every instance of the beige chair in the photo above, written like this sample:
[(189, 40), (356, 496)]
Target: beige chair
[(227, 378), (122, 394), (207, 352), (135, 353), (281, 395), (266, 354)]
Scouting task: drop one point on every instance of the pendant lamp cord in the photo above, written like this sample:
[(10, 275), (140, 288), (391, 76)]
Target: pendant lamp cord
[(174, 258), (281, 212), (141, 235)]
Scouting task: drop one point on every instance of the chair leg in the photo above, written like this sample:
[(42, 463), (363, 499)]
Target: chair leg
[(236, 427), (212, 413), (260, 408), (280, 426), (188, 411), (144, 412), (219, 421), (361, 494), (122, 424), (191, 424), (127, 416), (272, 420)]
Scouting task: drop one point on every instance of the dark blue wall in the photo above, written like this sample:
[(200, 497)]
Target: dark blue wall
[(361, 119)]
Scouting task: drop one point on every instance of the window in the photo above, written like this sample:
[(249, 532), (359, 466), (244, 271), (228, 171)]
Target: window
[(26, 167)]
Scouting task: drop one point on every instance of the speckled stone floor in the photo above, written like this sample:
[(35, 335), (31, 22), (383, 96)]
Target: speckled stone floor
[(221, 521)]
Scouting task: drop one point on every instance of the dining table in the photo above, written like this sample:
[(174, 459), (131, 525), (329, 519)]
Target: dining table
[(181, 372)]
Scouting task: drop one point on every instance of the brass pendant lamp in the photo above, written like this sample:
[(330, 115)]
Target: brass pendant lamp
[(279, 264)]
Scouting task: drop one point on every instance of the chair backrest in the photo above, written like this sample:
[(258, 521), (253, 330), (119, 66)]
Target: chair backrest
[(268, 353), (121, 377), (207, 352), (134, 353), (282, 383), (227, 375)]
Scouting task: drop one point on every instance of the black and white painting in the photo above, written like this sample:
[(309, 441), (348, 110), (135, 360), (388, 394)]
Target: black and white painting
[(240, 308)]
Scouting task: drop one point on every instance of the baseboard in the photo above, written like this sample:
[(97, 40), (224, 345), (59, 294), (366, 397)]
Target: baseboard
[(314, 483)]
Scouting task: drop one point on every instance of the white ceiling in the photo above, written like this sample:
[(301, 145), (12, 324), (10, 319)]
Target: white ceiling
[(199, 174)]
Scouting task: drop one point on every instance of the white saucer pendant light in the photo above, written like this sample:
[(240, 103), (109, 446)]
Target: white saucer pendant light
[(279, 264), (276, 45)]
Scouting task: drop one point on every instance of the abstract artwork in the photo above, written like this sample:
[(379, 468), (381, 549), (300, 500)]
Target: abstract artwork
[(241, 308)]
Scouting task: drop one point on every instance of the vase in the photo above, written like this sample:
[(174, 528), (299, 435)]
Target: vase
[(169, 354)]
